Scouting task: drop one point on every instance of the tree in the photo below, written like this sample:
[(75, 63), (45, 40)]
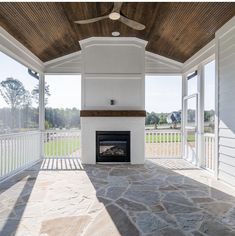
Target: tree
[(26, 99), (13, 92), (152, 119), (62, 118), (163, 118), (26, 104), (35, 93)]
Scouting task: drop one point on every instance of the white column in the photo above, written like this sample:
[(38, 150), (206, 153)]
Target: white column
[(183, 115), (216, 150), (200, 126), (42, 111)]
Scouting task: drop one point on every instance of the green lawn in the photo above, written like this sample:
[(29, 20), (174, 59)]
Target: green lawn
[(167, 138), (191, 138), (61, 147)]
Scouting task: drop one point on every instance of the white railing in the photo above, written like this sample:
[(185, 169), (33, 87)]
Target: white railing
[(162, 143), (62, 143), (17, 151), (209, 151)]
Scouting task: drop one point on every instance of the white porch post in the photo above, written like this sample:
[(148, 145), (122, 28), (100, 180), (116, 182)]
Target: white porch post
[(216, 161), (42, 112), (183, 115), (200, 127)]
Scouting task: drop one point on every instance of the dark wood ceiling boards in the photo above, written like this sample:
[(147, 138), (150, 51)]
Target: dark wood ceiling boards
[(174, 30)]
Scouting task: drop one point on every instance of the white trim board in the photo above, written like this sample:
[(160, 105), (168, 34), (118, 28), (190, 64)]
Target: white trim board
[(203, 54), (68, 64), (112, 40), (63, 59), (225, 28), (154, 64), (13, 48)]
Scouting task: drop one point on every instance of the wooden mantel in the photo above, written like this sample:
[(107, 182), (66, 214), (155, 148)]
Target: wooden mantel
[(112, 113)]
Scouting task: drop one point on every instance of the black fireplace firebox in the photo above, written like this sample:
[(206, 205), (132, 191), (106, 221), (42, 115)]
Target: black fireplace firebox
[(113, 146)]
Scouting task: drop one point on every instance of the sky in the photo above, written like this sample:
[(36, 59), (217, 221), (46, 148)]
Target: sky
[(11, 68), (209, 85), (65, 91), (162, 93)]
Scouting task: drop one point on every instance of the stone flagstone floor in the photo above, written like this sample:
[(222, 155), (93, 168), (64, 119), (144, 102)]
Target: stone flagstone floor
[(163, 197)]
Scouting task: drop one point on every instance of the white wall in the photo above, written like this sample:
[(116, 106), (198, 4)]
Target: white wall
[(106, 57), (225, 55), (127, 93), (113, 68)]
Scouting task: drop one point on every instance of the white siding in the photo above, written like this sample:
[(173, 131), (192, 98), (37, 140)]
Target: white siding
[(70, 64), (225, 40), (156, 64)]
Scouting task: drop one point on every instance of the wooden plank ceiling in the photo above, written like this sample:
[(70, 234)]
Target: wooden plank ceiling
[(174, 30)]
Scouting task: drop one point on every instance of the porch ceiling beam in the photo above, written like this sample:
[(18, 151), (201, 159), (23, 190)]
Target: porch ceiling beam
[(13, 48)]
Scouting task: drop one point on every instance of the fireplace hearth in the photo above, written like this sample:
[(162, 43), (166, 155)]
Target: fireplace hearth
[(112, 146)]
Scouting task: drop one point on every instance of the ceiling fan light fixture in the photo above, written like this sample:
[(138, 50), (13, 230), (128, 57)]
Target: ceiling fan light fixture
[(114, 16), (116, 33)]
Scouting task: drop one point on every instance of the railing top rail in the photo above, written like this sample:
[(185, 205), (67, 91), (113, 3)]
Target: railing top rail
[(209, 135), (62, 131), (163, 131), (19, 134)]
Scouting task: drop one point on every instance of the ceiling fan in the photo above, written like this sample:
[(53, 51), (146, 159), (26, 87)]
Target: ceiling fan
[(115, 14)]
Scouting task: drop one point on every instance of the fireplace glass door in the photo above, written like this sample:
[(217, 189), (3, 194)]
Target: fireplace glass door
[(113, 146)]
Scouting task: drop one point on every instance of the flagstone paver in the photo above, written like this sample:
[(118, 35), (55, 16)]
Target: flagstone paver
[(163, 197)]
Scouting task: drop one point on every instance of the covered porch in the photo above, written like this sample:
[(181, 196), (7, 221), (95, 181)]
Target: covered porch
[(177, 181)]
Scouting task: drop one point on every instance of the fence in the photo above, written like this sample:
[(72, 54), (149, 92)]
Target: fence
[(209, 151), (62, 143), (21, 149), (162, 144), (17, 151)]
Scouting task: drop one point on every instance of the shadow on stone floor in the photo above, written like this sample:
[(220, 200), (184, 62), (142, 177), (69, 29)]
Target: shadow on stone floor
[(151, 200), (24, 183)]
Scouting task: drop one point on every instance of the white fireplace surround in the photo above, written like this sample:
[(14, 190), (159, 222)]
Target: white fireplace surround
[(92, 124), (113, 69)]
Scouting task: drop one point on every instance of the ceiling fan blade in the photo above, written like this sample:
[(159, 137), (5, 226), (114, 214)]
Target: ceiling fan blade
[(92, 20), (131, 23), (117, 7)]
